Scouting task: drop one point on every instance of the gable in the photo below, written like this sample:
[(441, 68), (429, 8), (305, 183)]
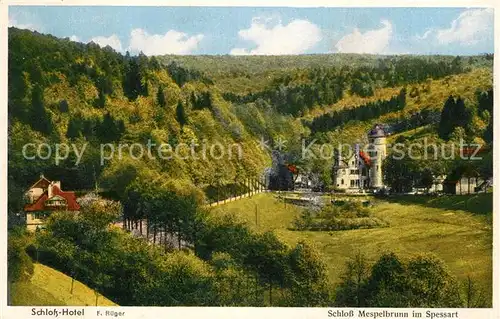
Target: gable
[(41, 183)]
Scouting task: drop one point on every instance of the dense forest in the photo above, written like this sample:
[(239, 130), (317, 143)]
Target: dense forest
[(63, 91)]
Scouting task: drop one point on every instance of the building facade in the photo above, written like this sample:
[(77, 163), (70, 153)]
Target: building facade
[(45, 197), (362, 170)]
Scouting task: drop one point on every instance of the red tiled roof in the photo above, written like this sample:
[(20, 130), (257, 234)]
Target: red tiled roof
[(365, 158), (39, 204)]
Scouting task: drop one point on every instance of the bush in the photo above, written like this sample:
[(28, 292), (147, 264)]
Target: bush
[(342, 215), (20, 265)]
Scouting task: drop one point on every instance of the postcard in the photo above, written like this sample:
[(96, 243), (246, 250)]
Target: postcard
[(299, 160)]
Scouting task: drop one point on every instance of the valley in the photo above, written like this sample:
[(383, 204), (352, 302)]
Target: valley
[(197, 227)]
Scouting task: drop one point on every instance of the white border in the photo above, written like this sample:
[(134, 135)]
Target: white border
[(240, 312)]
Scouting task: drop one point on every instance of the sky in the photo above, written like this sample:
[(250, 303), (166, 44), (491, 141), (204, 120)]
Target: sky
[(266, 31)]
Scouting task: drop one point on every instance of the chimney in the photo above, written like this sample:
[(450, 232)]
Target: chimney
[(49, 189)]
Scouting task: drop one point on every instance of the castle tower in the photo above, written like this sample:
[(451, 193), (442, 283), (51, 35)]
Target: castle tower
[(377, 151)]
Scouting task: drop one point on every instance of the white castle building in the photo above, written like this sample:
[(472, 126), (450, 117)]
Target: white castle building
[(362, 170)]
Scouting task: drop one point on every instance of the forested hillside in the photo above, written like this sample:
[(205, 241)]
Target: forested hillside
[(66, 92)]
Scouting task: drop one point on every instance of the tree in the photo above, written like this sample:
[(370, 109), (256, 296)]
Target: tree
[(108, 129), (308, 286), (185, 281), (423, 281), (154, 64), (426, 179), (40, 120), (36, 73), (74, 128), (430, 283), (20, 266), (461, 115), (101, 99), (181, 115), (234, 285), (160, 97), (63, 106), (472, 295), (488, 133), (99, 212), (268, 256), (281, 178), (447, 120), (133, 84), (387, 284), (458, 134), (400, 174), (352, 290)]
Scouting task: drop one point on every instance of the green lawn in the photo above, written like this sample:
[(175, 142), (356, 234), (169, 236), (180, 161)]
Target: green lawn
[(457, 229), (476, 203), (49, 287)]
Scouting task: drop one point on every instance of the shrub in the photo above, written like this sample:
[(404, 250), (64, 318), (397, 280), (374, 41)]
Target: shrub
[(20, 265), (340, 216)]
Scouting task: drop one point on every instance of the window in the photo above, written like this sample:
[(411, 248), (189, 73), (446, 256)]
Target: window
[(55, 201), (342, 181), (40, 215), (352, 183), (357, 182)]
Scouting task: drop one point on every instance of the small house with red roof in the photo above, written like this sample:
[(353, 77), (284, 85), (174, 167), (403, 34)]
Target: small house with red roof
[(44, 197)]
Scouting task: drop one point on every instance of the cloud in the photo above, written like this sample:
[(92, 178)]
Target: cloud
[(294, 38), (172, 42), (13, 22), (113, 41), (74, 38), (469, 28), (372, 41)]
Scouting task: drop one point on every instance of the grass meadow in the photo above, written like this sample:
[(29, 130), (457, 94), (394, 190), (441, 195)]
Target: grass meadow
[(49, 287), (457, 229)]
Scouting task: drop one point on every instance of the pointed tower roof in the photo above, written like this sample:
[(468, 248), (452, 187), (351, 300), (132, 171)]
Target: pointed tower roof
[(377, 131)]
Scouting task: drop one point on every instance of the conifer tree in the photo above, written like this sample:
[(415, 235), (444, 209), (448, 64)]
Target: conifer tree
[(101, 100), (40, 120), (88, 128), (73, 129), (63, 106), (107, 129), (160, 97), (446, 122), (461, 115), (181, 114)]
